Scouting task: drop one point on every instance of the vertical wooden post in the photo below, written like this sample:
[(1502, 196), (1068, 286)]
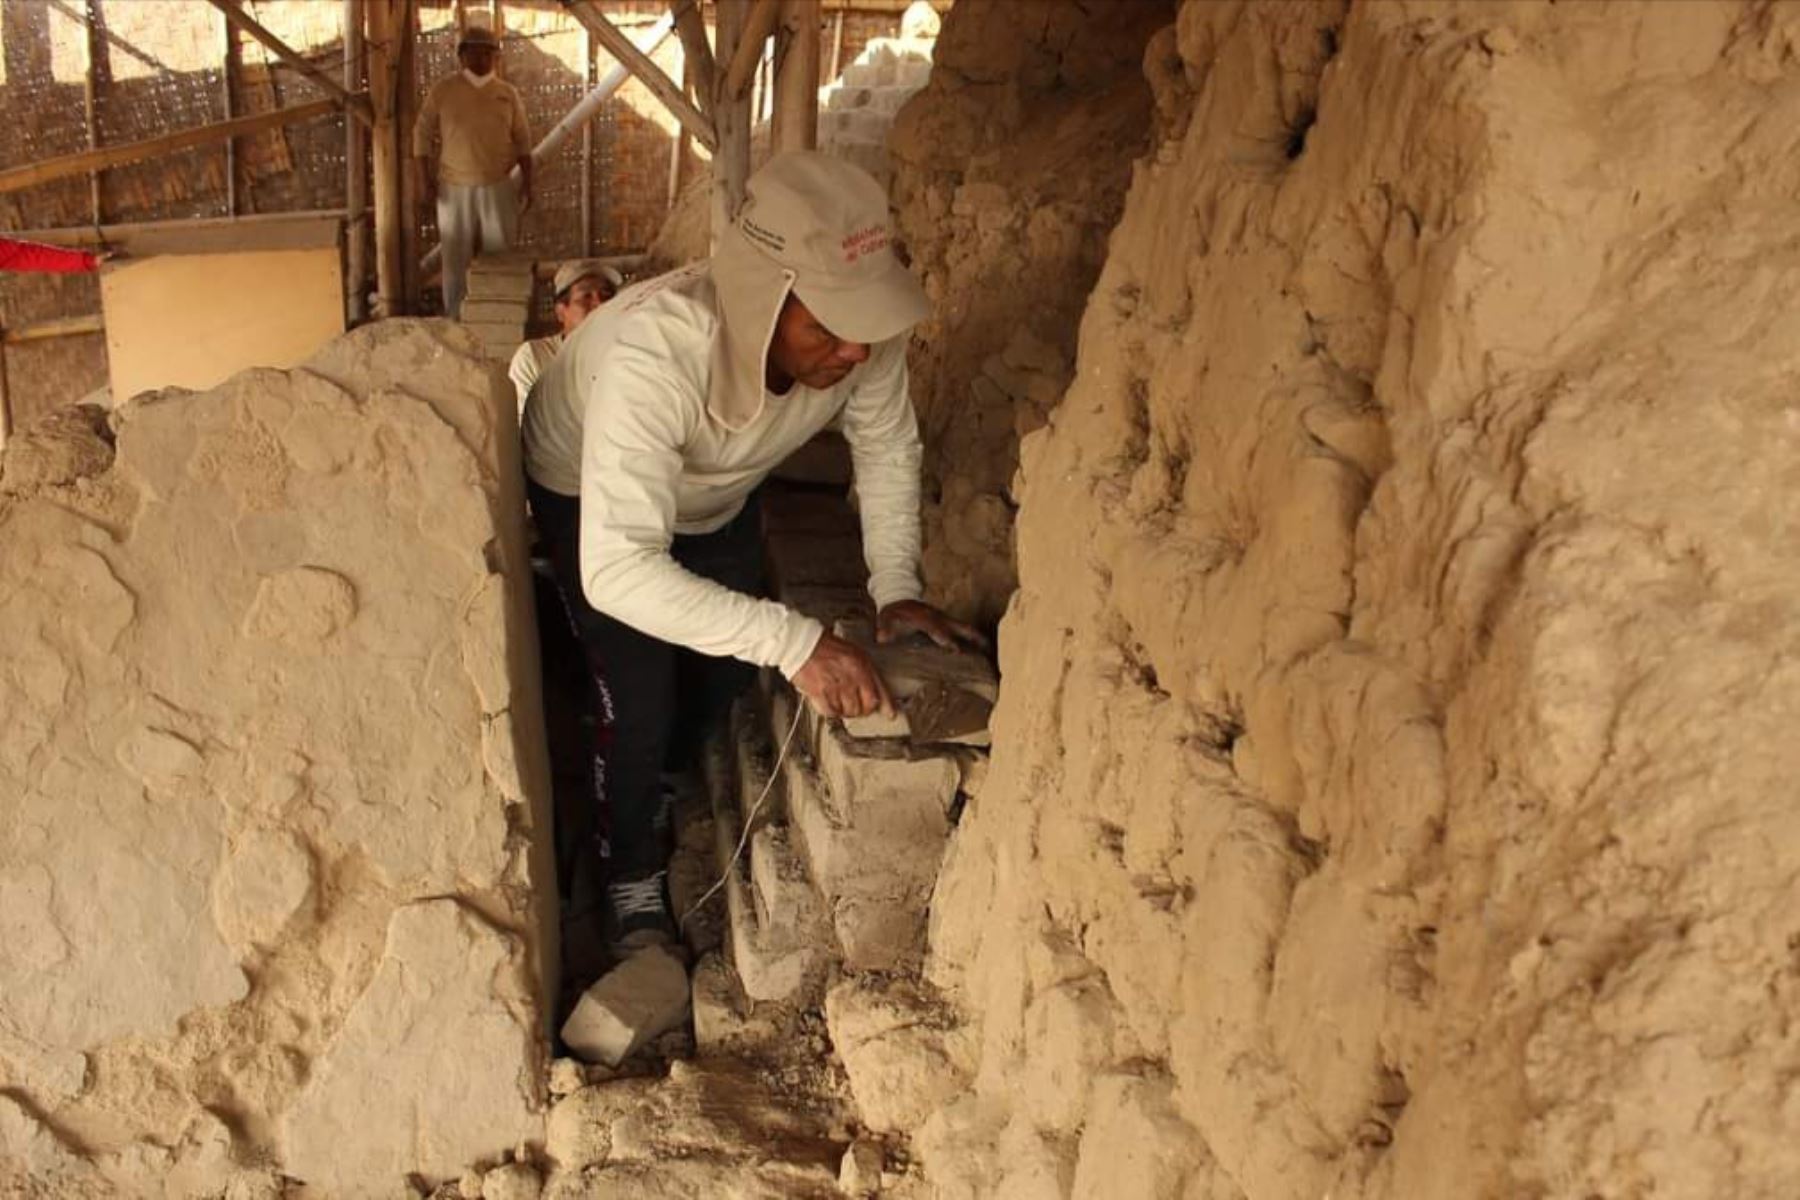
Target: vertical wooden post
[(5, 396), (90, 96), (356, 175), (232, 68), (406, 115), (587, 145), (837, 45), (389, 161), (731, 121), (797, 79), (678, 146)]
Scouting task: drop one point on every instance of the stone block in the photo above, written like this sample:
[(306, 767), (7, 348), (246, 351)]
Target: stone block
[(636, 1002), (512, 1181), (868, 75), (829, 604), (814, 560), (510, 313), (944, 695), (783, 895), (783, 960), (859, 1172), (889, 101), (491, 280), (894, 791), (902, 1049), (442, 1016), (726, 1020), (1134, 1143), (867, 125), (844, 99), (245, 692), (872, 831), (798, 510)]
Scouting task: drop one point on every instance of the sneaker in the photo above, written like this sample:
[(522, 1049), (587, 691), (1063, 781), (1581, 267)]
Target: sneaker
[(637, 914)]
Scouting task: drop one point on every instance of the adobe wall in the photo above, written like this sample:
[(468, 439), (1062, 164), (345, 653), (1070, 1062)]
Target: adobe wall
[(277, 897), (1389, 786)]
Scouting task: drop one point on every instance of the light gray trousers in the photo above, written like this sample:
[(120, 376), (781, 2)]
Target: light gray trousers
[(489, 211)]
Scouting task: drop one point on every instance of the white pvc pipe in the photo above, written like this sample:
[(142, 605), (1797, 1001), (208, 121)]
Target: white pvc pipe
[(607, 84)]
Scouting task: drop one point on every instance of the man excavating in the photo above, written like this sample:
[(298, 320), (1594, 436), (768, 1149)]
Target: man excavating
[(647, 435), (580, 286)]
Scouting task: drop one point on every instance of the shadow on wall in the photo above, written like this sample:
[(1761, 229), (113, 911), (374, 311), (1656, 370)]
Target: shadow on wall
[(1010, 172)]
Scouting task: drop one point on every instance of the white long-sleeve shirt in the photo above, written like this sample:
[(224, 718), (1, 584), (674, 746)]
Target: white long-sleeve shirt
[(528, 363), (620, 418)]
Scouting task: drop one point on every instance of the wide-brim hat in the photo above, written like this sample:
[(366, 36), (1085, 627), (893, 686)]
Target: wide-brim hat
[(818, 227)]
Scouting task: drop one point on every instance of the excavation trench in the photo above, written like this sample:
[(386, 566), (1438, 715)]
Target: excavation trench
[(1369, 426)]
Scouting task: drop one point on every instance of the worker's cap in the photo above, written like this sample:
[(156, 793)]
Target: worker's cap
[(478, 35), (577, 269), (826, 222)]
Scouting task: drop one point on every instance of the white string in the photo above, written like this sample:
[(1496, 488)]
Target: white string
[(750, 819)]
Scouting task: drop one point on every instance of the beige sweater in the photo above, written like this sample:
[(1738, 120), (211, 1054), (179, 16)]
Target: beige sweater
[(620, 419), (483, 130)]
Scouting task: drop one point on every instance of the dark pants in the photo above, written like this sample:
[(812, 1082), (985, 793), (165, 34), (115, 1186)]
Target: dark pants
[(654, 701)]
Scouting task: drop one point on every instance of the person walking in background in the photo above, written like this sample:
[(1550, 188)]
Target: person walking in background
[(475, 122), (16, 255)]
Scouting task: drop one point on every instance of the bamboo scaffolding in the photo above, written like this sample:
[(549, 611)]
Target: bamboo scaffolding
[(356, 104), (18, 178)]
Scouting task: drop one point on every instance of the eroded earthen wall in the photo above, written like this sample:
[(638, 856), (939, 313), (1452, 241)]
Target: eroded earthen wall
[(270, 897), (1010, 171), (1391, 792)]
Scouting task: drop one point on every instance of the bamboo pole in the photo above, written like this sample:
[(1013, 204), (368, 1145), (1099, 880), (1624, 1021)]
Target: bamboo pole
[(5, 400), (731, 112), (837, 44), (356, 105), (18, 178), (797, 79), (106, 235), (387, 163), (589, 105), (678, 146), (587, 146), (638, 63), (232, 69), (356, 176), (90, 102), (60, 327), (112, 39), (697, 56), (406, 117), (747, 56)]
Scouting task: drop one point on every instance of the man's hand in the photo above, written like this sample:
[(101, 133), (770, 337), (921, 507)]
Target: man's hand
[(907, 616), (841, 681)]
